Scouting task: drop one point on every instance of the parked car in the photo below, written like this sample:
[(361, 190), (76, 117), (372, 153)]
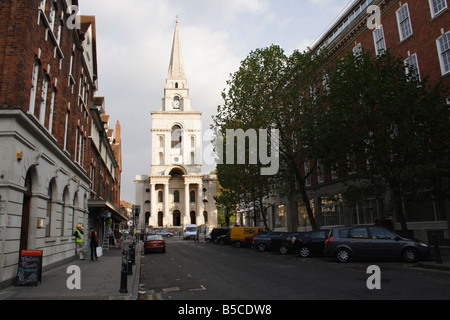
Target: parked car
[(154, 243), (238, 234), (217, 232), (346, 243), (284, 243), (261, 242), (164, 233), (310, 243), (224, 239)]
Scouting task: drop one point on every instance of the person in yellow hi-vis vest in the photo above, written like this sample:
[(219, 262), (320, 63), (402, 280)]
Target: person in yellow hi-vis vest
[(78, 234)]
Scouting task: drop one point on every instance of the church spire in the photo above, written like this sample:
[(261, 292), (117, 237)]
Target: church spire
[(176, 67)]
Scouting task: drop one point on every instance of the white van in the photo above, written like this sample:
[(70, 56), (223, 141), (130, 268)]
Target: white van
[(190, 231)]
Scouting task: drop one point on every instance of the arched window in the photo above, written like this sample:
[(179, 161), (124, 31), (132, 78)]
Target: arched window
[(176, 137), (48, 225), (63, 209)]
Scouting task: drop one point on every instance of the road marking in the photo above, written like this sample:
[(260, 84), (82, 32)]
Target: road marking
[(165, 290), (155, 297), (202, 288)]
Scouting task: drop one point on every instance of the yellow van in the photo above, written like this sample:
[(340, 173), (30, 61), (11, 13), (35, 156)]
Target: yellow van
[(238, 234)]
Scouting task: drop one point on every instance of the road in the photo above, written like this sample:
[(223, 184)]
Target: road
[(191, 271)]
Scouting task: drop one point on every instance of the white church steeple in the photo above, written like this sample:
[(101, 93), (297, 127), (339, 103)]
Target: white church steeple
[(176, 94)]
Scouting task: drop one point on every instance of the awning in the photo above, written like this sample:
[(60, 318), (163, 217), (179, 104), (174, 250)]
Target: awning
[(106, 209)]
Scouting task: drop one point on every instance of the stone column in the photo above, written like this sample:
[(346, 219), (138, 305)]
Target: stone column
[(153, 211), (200, 219), (186, 215), (166, 204)]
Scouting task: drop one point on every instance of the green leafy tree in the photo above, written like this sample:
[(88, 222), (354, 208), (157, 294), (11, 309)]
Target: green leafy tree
[(387, 127)]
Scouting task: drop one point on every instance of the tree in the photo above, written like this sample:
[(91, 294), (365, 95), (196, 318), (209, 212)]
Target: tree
[(388, 126), (273, 91)]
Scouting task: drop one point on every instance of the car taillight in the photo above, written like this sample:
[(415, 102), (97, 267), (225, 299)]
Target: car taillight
[(329, 240)]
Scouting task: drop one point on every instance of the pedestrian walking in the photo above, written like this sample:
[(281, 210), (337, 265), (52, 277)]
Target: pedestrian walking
[(78, 234), (197, 236), (93, 237)]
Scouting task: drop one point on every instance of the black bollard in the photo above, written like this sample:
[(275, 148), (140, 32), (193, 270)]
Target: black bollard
[(123, 273), (437, 250), (130, 264), (133, 254)]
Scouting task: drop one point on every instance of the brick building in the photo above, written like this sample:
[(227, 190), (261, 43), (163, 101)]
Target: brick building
[(48, 79), (418, 31)]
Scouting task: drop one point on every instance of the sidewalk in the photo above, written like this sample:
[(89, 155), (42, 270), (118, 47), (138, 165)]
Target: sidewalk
[(100, 280), (431, 263)]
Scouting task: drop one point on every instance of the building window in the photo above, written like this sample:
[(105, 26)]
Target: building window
[(176, 196), (443, 44), (357, 50), (49, 210), (404, 22), (307, 173), (66, 126), (412, 67), (43, 100), (52, 108), (378, 38), (437, 6), (176, 137), (34, 81), (192, 196), (160, 196)]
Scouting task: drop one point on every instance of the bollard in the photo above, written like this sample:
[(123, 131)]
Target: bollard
[(123, 273), (437, 249), (133, 254), (130, 264)]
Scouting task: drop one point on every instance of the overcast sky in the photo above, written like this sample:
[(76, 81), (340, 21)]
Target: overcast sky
[(134, 42)]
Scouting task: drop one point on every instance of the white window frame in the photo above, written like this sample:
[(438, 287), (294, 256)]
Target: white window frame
[(34, 83), (405, 19), (377, 41), (415, 63), (441, 53), (433, 13), (43, 100), (52, 109)]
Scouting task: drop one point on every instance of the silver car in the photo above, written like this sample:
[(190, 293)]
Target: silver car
[(345, 243)]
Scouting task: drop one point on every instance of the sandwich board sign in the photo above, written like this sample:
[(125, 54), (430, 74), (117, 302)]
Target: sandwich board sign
[(30, 268)]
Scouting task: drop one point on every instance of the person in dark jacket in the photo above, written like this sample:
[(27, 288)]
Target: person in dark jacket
[(93, 236)]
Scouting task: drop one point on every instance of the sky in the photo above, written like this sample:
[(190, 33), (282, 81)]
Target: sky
[(134, 42)]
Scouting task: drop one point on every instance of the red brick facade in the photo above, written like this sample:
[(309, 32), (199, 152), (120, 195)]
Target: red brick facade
[(424, 28), (40, 49)]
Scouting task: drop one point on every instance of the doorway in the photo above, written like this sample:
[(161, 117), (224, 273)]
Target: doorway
[(160, 219), (24, 230), (176, 218)]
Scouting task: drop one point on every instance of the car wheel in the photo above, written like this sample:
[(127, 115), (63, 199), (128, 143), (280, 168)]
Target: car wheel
[(284, 249), (237, 244), (410, 255), (343, 255), (304, 252), (261, 247)]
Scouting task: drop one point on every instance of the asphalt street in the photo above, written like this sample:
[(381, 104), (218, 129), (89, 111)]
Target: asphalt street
[(191, 271)]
